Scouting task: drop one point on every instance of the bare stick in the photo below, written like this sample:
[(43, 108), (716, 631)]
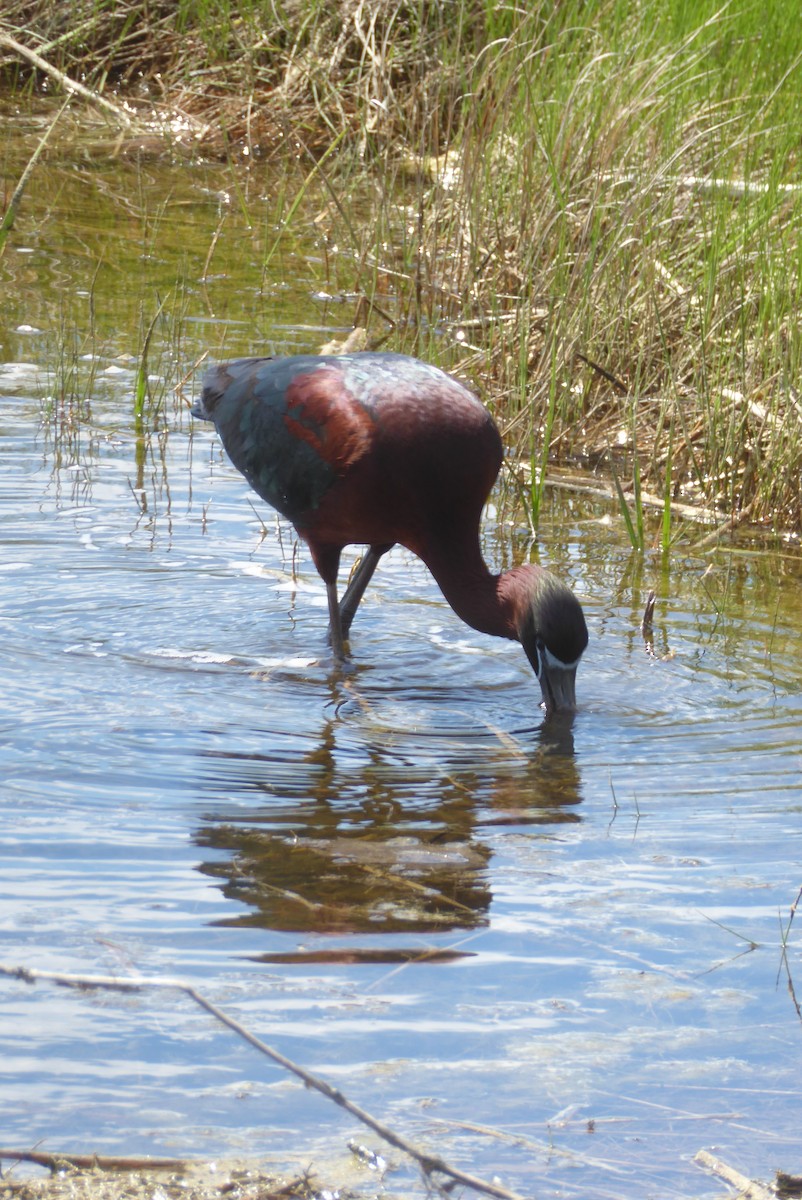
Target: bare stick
[(429, 1163), (91, 1162), (69, 85), (618, 386), (727, 527), (748, 1189)]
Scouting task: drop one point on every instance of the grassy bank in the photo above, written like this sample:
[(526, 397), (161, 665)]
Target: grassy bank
[(605, 226), (630, 202)]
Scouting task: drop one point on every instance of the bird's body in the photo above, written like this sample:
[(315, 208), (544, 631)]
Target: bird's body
[(376, 449)]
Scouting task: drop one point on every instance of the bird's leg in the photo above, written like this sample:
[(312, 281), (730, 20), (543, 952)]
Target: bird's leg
[(335, 623), (356, 587), (327, 560)]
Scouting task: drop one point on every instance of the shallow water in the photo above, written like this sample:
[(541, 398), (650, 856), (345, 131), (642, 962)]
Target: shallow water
[(551, 955)]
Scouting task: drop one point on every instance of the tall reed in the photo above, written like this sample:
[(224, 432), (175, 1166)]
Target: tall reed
[(635, 207), (590, 208)]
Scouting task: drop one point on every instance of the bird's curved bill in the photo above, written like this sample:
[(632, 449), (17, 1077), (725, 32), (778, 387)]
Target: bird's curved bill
[(558, 685)]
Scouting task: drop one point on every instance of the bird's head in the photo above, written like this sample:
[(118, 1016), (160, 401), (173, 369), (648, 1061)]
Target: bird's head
[(552, 631)]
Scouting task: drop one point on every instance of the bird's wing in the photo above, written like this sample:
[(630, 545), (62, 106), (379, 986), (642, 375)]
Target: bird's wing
[(292, 429), (322, 413)]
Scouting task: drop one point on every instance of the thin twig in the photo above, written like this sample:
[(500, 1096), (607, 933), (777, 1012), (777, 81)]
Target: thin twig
[(620, 387), (212, 245), (91, 1162), (784, 933), (69, 85), (429, 1163), (16, 199), (733, 522)]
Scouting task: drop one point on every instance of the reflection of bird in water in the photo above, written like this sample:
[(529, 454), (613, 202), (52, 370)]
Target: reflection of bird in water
[(378, 449)]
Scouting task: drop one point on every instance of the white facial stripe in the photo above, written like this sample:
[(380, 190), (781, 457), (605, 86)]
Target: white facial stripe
[(556, 664)]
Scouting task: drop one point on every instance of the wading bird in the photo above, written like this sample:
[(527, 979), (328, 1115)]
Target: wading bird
[(381, 448)]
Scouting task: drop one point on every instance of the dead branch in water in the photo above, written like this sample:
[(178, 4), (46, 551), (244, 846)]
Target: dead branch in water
[(731, 523), (430, 1164), (70, 85), (748, 1189), (90, 1162)]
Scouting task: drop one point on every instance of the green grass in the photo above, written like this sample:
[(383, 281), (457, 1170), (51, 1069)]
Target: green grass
[(618, 225), (620, 178)]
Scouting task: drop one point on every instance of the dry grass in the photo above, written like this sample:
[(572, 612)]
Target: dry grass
[(604, 224), (258, 77), (192, 1182)]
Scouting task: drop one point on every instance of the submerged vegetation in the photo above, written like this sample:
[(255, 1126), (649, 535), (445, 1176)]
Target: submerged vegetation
[(601, 221)]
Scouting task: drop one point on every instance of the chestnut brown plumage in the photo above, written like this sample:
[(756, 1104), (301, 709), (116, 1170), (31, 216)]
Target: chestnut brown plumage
[(376, 449)]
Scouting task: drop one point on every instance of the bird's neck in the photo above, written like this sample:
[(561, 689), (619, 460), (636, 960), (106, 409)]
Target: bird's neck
[(487, 602)]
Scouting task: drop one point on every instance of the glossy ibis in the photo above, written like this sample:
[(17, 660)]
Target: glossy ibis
[(378, 449)]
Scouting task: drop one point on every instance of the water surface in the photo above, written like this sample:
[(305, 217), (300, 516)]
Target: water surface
[(552, 955)]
